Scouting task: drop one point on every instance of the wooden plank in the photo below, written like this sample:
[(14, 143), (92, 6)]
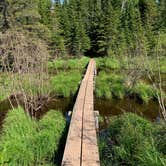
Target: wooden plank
[(90, 154), (81, 146)]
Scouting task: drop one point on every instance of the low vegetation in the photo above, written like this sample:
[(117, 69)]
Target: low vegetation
[(65, 84), (130, 63), (113, 85), (132, 140), (68, 64), (29, 83), (25, 141)]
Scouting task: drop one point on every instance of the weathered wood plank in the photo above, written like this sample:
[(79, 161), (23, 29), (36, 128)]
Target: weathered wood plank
[(81, 146)]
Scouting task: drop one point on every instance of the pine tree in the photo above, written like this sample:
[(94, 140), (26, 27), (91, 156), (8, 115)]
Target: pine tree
[(45, 11)]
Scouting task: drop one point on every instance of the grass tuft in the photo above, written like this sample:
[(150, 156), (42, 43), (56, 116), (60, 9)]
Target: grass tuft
[(25, 141), (130, 140), (66, 83)]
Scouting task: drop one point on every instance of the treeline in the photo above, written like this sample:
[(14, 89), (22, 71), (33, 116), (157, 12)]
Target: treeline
[(90, 27)]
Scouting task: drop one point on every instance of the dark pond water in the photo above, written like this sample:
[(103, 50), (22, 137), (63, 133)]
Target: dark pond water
[(108, 108), (61, 104)]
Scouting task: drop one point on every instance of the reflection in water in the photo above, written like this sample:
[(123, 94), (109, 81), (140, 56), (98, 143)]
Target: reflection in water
[(60, 104), (108, 108)]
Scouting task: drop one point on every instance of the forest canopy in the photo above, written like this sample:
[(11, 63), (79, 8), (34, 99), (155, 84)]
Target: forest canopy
[(88, 27)]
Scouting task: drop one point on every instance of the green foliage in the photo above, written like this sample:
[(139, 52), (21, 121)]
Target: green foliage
[(66, 83), (62, 64), (108, 63), (113, 85), (144, 91), (130, 140), (108, 85), (25, 141), (31, 83)]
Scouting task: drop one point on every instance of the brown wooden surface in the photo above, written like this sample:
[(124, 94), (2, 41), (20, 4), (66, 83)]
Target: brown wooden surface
[(81, 146)]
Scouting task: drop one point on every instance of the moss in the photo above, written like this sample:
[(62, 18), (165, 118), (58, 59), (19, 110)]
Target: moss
[(130, 141), (25, 141)]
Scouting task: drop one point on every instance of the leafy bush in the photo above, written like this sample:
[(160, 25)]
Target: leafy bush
[(25, 141), (130, 140)]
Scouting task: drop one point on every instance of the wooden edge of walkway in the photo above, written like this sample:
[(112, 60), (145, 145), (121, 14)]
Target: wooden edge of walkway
[(81, 146)]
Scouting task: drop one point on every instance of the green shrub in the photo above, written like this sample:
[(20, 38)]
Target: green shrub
[(65, 83), (130, 141), (25, 141)]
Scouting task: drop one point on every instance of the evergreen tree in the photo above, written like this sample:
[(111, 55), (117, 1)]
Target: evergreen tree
[(45, 7)]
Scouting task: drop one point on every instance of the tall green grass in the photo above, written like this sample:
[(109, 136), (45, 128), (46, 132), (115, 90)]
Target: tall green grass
[(107, 63), (116, 63), (131, 140), (113, 86), (68, 64), (144, 91), (109, 85), (25, 141), (30, 83), (65, 83)]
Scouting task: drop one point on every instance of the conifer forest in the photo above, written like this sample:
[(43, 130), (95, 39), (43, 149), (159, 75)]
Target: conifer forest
[(45, 49)]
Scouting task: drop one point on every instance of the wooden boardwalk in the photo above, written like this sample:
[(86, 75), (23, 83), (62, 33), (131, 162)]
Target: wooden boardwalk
[(81, 146)]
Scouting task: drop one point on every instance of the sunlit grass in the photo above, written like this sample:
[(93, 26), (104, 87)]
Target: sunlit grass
[(25, 141), (109, 85), (31, 84), (131, 140), (113, 86), (66, 83), (68, 64)]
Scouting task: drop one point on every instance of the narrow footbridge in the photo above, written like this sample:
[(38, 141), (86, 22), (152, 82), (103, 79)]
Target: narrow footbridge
[(81, 146)]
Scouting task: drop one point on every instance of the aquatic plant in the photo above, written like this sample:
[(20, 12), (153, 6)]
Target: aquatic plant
[(130, 140), (65, 83), (24, 141)]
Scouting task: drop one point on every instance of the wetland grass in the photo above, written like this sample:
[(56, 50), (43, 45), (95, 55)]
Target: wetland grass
[(113, 86), (25, 141), (132, 140), (65, 84), (68, 64)]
